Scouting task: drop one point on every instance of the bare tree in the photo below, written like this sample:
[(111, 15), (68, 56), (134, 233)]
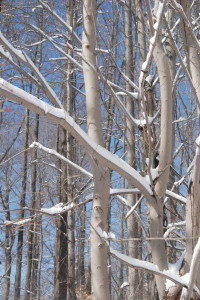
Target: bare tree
[(123, 101)]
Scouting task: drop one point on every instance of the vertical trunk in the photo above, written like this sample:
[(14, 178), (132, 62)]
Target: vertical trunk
[(61, 257), (8, 248), (99, 272), (70, 145), (132, 224), (65, 257), (192, 214), (22, 204), (156, 213), (81, 247), (191, 53), (29, 290), (172, 205), (140, 22)]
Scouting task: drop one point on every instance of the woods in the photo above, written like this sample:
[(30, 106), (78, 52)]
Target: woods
[(99, 131)]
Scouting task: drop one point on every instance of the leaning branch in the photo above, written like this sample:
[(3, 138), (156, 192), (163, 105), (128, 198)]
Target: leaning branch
[(61, 117)]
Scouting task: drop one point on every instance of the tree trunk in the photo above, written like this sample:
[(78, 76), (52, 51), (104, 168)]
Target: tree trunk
[(70, 5), (22, 204), (156, 213), (99, 272), (61, 257), (30, 270), (192, 214), (192, 54), (132, 225), (9, 235)]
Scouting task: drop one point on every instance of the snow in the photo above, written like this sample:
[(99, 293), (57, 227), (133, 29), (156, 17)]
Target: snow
[(22, 57), (135, 95), (18, 223), (144, 265), (198, 141), (34, 8), (61, 117), (154, 175), (123, 191), (176, 196), (183, 223), (144, 65), (105, 235), (59, 156), (149, 79), (153, 40), (174, 268), (124, 285), (5, 53), (57, 209), (179, 120), (123, 200)]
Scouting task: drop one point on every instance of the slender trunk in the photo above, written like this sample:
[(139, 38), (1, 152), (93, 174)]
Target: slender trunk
[(65, 257), (156, 216), (172, 205), (158, 249), (70, 5), (29, 290), (61, 258), (8, 248), (99, 272), (81, 247), (192, 214), (22, 204), (192, 54), (132, 225)]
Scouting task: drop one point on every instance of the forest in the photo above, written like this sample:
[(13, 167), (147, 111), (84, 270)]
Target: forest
[(99, 150)]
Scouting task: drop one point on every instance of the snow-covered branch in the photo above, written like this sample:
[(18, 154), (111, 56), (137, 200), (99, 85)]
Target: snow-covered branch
[(61, 117), (147, 266), (23, 58), (59, 156)]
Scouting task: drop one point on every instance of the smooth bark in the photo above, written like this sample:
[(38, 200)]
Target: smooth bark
[(165, 153), (99, 272)]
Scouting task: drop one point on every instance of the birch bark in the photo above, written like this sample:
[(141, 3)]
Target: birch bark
[(132, 225), (156, 214), (99, 272)]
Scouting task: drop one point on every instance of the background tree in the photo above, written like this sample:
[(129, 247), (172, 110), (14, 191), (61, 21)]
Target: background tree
[(105, 158)]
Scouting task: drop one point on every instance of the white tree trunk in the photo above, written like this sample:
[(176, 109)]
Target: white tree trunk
[(99, 272), (158, 249)]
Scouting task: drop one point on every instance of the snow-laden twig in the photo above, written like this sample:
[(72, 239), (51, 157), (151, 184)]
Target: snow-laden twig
[(21, 222), (74, 61), (8, 57), (58, 209), (61, 21), (123, 191), (59, 156), (176, 196), (23, 58)]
